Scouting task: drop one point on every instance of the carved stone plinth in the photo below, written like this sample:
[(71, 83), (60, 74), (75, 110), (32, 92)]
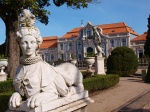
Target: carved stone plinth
[(76, 106), (99, 65), (75, 103)]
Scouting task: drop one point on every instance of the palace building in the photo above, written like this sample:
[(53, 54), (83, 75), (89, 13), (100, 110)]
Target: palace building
[(137, 44), (78, 42), (48, 48)]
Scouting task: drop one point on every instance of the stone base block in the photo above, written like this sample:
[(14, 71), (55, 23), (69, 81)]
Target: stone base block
[(99, 66), (77, 106), (75, 103)]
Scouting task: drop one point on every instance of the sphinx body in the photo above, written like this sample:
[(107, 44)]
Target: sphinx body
[(42, 83)]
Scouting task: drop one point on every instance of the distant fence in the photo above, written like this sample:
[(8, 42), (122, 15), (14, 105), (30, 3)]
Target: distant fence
[(81, 64), (143, 61)]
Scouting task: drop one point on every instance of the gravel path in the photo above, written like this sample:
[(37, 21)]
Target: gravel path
[(112, 98)]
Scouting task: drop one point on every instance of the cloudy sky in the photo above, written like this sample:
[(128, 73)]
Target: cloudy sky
[(63, 19)]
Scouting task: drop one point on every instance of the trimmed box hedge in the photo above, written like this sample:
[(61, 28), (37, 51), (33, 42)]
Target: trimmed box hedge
[(6, 86), (4, 100), (122, 61), (92, 84), (100, 82)]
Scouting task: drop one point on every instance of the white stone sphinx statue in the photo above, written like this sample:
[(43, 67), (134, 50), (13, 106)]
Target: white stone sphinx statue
[(39, 86)]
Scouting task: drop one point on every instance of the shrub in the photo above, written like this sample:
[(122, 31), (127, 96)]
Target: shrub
[(122, 61), (90, 54), (6, 90), (84, 73), (100, 82), (59, 61), (6, 86), (4, 99)]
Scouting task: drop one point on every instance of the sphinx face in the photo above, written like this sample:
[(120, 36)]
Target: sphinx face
[(28, 46)]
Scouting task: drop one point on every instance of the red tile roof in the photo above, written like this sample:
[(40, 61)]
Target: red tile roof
[(113, 28), (140, 38), (49, 42), (50, 38), (116, 28), (72, 33)]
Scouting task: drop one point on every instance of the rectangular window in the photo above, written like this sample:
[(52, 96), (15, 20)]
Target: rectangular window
[(52, 57), (79, 45), (70, 46), (112, 42), (123, 42), (66, 47), (88, 33), (47, 57), (61, 46), (118, 42)]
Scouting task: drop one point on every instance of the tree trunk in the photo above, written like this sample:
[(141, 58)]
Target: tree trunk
[(12, 48)]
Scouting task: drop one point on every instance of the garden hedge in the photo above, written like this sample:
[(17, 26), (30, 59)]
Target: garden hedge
[(4, 100), (100, 82), (6, 86), (122, 61), (92, 84)]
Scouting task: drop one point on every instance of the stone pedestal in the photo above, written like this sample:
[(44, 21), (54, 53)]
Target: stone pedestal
[(75, 103), (77, 106), (3, 65), (90, 61), (73, 61), (3, 77), (99, 65)]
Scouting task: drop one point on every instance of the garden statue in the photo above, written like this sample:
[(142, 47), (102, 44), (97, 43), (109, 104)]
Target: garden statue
[(99, 59), (97, 42), (36, 82)]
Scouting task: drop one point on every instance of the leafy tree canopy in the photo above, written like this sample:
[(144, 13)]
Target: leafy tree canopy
[(10, 11), (147, 43), (37, 7), (9, 7), (77, 4)]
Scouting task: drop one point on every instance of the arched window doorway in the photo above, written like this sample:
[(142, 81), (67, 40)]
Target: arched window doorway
[(89, 49)]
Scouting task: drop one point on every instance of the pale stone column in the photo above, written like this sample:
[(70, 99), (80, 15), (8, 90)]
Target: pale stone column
[(99, 66)]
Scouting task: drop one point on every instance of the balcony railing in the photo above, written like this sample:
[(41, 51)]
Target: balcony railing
[(82, 65), (143, 61)]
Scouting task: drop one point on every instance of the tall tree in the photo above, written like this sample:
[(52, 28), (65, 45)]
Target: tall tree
[(9, 13), (147, 51)]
